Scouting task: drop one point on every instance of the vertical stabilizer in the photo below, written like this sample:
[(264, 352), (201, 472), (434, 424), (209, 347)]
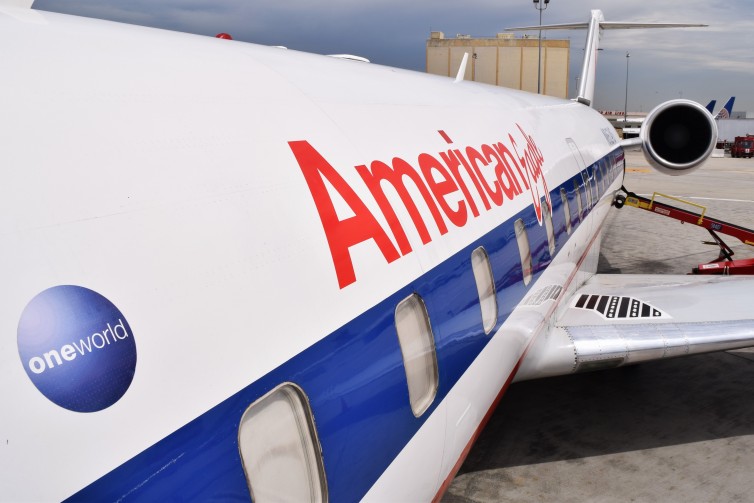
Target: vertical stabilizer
[(594, 28), (589, 69), (727, 110)]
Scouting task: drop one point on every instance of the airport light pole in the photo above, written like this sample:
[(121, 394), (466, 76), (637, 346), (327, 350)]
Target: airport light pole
[(625, 104), (538, 5)]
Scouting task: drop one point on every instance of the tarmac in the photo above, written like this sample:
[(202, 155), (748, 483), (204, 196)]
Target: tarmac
[(677, 430)]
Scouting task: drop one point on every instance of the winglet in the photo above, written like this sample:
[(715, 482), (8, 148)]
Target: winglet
[(462, 68)]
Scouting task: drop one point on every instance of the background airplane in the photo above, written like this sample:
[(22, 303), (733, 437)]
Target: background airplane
[(727, 110), (238, 271)]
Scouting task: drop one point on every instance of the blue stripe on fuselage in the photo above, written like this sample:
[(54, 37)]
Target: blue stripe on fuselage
[(354, 379)]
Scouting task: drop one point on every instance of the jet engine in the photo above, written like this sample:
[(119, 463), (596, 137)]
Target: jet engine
[(678, 136)]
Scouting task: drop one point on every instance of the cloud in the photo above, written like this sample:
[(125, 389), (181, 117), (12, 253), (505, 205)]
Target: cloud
[(701, 63)]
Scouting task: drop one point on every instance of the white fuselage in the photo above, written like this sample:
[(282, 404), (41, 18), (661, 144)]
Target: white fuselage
[(161, 171)]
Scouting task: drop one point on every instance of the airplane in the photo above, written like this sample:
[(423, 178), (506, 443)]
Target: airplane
[(727, 110), (711, 106), (234, 271)]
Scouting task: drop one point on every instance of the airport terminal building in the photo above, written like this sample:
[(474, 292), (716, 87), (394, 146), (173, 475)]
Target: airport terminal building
[(503, 61), (728, 129)]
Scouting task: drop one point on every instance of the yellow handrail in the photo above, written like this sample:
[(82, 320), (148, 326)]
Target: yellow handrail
[(703, 208)]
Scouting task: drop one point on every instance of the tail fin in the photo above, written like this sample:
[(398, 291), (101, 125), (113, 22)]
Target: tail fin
[(594, 28), (711, 106), (727, 110)]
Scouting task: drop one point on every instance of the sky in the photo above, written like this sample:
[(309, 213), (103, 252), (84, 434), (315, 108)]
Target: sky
[(700, 64)]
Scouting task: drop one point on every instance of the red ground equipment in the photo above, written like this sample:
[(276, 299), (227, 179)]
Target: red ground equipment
[(724, 264), (743, 147)]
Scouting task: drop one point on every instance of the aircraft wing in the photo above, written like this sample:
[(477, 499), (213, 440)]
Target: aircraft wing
[(617, 319)]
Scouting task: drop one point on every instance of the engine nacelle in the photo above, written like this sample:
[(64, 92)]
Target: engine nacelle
[(678, 136)]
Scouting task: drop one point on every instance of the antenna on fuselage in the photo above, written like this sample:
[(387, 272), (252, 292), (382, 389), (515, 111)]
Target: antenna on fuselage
[(462, 69)]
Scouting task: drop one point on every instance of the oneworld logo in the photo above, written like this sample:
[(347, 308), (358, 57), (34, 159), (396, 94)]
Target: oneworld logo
[(77, 348), (69, 352)]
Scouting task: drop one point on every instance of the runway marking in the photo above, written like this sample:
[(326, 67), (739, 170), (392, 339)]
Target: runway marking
[(638, 170), (707, 198)]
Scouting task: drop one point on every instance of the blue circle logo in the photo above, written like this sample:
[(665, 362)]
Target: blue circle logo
[(77, 348)]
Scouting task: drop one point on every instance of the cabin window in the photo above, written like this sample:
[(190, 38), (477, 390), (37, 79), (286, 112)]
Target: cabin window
[(547, 217), (524, 250), (566, 210), (598, 179), (579, 198), (581, 190), (586, 189), (485, 286), (418, 349), (593, 185), (280, 452), (608, 176)]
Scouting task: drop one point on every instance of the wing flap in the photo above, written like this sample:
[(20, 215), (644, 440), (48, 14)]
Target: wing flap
[(654, 317), (625, 344)]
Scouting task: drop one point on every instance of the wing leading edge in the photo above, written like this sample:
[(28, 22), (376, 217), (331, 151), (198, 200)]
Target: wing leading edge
[(616, 320)]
